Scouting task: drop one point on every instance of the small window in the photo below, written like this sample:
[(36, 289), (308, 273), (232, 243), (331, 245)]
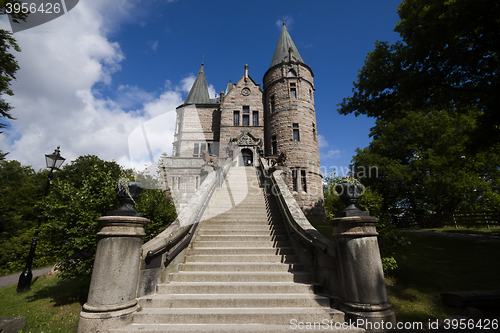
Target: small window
[(296, 136), (303, 183), (295, 180), (274, 145), (246, 120), (246, 109), (196, 150), (255, 119), (236, 118), (293, 91), (273, 104), (315, 135), (291, 73)]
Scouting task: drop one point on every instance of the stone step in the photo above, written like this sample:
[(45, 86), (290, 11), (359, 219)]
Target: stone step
[(240, 250), (230, 277), (239, 267), (233, 210), (241, 219), (239, 328), (231, 226), (240, 238), (241, 244), (241, 232), (236, 315), (237, 288), (284, 258), (238, 221), (233, 301)]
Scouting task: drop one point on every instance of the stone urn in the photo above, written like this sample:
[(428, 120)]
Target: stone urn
[(128, 192), (349, 193)]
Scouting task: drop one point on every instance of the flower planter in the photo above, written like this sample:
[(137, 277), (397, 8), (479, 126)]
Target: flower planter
[(349, 193), (127, 196)]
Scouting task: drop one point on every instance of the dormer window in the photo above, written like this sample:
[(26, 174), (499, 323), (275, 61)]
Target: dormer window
[(291, 73)]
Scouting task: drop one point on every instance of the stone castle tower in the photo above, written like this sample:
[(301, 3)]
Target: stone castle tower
[(246, 122), (291, 121)]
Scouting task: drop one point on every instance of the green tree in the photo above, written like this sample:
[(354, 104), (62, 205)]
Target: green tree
[(21, 188), (70, 212), (447, 58), (84, 191), (8, 64), (157, 206), (424, 166), (74, 173)]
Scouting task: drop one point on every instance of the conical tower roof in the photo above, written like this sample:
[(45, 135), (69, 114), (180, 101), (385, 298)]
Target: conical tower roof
[(285, 43), (199, 91)]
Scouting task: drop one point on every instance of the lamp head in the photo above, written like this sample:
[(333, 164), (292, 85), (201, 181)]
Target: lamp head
[(54, 160)]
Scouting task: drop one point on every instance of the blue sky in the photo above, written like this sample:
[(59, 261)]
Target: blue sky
[(92, 76)]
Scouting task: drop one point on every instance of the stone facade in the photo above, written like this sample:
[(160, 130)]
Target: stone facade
[(248, 121)]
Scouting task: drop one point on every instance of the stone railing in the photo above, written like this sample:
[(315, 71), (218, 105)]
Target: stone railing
[(316, 252), (350, 270), (160, 254), (125, 269)]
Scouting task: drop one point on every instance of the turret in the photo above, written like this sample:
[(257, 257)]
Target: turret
[(291, 123)]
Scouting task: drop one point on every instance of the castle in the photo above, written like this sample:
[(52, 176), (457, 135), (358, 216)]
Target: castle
[(248, 121)]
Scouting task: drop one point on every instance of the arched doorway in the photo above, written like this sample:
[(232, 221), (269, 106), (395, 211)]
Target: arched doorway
[(247, 156)]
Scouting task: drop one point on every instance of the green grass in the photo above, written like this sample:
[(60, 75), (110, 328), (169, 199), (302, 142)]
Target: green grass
[(50, 306), (494, 230), (432, 264)]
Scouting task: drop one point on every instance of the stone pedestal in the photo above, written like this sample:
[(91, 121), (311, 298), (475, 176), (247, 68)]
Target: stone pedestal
[(363, 295), (112, 294)]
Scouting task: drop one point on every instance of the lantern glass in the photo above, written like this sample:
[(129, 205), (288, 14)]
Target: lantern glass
[(54, 160)]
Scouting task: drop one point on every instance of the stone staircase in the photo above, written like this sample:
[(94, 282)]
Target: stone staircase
[(240, 274)]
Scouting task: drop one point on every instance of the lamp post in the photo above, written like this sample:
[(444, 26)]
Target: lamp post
[(53, 161)]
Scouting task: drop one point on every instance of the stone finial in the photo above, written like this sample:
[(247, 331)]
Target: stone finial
[(246, 72)]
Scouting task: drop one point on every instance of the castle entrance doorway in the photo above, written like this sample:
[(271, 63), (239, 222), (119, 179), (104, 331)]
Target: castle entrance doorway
[(247, 155)]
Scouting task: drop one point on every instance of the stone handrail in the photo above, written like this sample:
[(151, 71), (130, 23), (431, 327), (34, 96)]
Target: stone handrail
[(188, 214), (169, 243), (317, 253)]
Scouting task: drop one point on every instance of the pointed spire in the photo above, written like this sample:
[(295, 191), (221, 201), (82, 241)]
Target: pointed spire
[(199, 91), (285, 45), (229, 87)]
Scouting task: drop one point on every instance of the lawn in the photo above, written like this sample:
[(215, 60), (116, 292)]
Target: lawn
[(50, 306), (432, 264), (493, 231)]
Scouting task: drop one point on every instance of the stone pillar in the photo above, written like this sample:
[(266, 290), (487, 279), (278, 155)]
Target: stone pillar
[(363, 295), (112, 294)]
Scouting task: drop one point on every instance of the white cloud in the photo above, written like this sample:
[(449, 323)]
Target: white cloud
[(55, 103), (331, 154), (153, 45), (322, 143), (187, 83)]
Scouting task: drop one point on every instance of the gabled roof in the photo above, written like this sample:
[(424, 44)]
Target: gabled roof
[(199, 91), (284, 44)]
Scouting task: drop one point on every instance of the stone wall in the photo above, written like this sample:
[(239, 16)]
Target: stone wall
[(244, 93)]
